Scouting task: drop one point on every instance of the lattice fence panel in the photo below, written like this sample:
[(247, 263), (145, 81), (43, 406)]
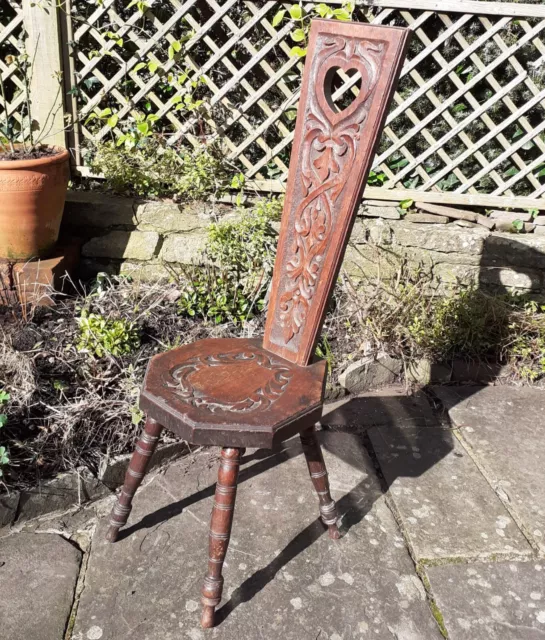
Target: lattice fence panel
[(468, 115), (13, 95)]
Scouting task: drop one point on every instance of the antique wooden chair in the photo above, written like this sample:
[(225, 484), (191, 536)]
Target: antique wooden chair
[(238, 393)]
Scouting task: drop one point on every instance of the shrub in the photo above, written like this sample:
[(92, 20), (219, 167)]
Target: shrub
[(154, 169), (243, 252), (246, 247), (100, 336)]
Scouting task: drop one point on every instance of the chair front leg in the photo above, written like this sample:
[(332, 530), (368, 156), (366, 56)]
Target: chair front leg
[(220, 532), (134, 476), (319, 477)]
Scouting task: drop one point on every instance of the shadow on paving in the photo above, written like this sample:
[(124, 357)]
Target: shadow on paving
[(409, 420), (406, 424), (284, 578)]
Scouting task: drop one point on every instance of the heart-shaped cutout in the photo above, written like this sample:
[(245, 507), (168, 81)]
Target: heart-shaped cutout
[(337, 77)]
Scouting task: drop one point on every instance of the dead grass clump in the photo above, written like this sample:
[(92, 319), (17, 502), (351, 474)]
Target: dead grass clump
[(406, 313), (17, 373), (69, 406)]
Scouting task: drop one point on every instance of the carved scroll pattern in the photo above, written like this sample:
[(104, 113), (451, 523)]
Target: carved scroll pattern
[(328, 148), (179, 380)]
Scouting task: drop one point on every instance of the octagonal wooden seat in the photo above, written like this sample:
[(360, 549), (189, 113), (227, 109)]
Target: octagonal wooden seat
[(236, 393)]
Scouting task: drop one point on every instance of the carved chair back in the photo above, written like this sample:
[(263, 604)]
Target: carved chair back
[(330, 161)]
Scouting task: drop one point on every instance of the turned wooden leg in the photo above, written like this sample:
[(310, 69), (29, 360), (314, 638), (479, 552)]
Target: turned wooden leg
[(134, 476), (318, 475), (220, 532)]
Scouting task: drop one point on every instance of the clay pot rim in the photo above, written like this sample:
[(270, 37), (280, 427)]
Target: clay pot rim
[(62, 155)]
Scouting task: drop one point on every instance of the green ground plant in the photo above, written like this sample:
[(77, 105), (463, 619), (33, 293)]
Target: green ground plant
[(324, 350), (100, 336)]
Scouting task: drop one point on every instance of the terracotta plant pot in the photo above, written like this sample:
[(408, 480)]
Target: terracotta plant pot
[(32, 195)]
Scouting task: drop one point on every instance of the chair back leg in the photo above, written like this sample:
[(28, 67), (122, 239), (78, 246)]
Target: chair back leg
[(320, 480)]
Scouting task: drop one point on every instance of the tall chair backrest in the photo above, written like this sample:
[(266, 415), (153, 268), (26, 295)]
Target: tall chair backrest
[(330, 161)]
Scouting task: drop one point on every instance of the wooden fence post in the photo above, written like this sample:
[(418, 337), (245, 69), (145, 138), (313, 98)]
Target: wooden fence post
[(43, 46)]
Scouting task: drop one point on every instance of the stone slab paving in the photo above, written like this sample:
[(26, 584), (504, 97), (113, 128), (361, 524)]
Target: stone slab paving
[(387, 406), (504, 430), (284, 578), (38, 574), (446, 506), (491, 601)]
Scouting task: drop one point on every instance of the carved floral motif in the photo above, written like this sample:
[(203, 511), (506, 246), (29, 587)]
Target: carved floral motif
[(329, 145), (179, 380)]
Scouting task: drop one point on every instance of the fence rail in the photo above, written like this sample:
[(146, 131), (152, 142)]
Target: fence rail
[(467, 124)]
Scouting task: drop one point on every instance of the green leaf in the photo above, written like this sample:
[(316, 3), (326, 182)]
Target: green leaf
[(153, 66), (518, 225), (238, 181), (324, 11), (298, 35), (512, 171), (177, 98), (291, 114), (296, 12), (406, 204), (4, 457), (143, 127), (176, 45), (398, 164), (139, 66), (341, 14), (105, 112), (3, 419), (278, 18), (171, 53), (412, 183), (298, 51), (112, 121), (459, 107)]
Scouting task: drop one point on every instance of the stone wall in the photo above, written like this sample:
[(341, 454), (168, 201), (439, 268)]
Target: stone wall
[(125, 235)]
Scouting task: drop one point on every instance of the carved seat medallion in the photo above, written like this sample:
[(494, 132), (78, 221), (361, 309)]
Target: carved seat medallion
[(214, 382)]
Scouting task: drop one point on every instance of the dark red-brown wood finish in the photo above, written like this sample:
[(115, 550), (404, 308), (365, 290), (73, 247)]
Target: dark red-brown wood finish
[(133, 478), (330, 161), (220, 532), (237, 393), (231, 391)]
